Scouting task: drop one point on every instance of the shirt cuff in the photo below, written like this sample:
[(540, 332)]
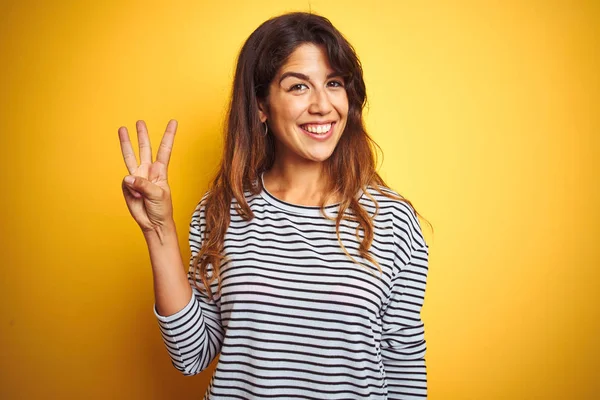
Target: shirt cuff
[(178, 314)]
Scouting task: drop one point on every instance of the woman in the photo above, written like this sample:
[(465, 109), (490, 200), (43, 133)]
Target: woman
[(307, 272)]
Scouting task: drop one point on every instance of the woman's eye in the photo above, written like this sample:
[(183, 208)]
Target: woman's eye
[(336, 84), (298, 86)]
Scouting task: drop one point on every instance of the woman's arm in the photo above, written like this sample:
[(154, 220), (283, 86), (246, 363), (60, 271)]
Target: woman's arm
[(190, 323), (403, 340), (171, 288)]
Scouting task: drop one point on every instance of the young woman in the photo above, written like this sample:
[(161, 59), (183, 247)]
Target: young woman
[(307, 273)]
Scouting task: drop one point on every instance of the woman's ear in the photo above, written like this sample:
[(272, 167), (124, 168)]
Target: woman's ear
[(262, 113)]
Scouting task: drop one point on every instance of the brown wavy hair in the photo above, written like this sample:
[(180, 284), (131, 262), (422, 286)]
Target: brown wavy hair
[(248, 152)]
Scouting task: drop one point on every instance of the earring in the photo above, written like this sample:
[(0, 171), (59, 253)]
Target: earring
[(266, 128)]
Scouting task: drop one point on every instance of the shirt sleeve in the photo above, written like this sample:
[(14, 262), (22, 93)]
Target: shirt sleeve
[(193, 335), (403, 335)]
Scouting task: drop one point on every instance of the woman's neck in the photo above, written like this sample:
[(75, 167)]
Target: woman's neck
[(302, 184)]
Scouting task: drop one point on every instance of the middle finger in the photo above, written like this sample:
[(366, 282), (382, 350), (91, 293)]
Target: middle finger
[(144, 142)]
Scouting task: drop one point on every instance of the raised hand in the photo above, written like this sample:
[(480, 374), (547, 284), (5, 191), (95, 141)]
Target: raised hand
[(146, 190)]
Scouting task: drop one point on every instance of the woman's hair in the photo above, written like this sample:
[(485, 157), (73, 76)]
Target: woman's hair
[(248, 152)]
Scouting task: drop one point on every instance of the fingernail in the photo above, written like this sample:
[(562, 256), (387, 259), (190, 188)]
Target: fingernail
[(129, 180)]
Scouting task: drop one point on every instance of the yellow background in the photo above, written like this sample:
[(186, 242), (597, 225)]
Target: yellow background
[(488, 115)]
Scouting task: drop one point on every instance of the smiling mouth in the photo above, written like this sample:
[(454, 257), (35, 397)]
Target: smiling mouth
[(318, 129)]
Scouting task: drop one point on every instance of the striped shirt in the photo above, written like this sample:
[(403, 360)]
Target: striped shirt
[(296, 318)]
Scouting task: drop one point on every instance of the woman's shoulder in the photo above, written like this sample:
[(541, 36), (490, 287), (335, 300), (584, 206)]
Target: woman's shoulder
[(233, 203), (392, 205), (198, 214), (388, 199)]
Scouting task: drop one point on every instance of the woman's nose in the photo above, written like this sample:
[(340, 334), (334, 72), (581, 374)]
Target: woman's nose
[(320, 102)]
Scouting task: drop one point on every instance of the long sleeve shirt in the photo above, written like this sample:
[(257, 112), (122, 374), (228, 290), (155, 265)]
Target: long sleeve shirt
[(296, 318)]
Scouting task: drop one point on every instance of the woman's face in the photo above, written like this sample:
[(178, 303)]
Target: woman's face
[(307, 107)]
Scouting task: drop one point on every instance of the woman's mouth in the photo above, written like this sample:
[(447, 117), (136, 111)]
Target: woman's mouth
[(318, 131)]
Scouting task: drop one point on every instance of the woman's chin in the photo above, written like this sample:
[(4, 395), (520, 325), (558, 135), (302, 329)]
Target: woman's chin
[(321, 155)]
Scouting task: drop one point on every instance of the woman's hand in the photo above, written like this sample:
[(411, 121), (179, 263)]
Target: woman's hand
[(146, 190)]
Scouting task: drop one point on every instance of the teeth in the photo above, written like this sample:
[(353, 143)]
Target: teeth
[(317, 128)]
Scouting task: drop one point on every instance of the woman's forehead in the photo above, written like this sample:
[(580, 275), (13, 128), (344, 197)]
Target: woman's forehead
[(306, 59)]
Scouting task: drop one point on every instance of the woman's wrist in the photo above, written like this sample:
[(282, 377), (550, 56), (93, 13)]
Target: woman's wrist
[(161, 234)]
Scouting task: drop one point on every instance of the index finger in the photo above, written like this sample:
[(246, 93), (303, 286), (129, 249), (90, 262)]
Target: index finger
[(166, 144), (127, 150)]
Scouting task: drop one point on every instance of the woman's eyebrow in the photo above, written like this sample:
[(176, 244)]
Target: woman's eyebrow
[(294, 74), (305, 77)]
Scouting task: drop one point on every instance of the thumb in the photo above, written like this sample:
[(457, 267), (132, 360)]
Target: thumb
[(143, 186)]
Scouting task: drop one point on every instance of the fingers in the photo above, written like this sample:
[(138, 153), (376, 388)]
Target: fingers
[(127, 150), (144, 142), (129, 192), (164, 151), (143, 187), (166, 144)]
